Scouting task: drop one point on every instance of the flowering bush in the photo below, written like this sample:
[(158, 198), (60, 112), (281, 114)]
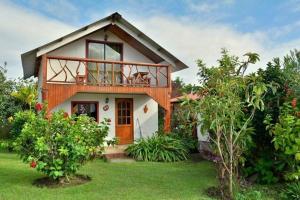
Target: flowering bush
[(58, 145)]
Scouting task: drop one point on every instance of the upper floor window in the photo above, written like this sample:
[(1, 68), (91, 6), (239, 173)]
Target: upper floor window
[(102, 73)]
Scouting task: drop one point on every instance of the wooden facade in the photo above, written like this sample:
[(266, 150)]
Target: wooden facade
[(157, 84)]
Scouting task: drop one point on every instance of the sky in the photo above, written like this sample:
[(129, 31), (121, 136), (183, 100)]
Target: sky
[(189, 29)]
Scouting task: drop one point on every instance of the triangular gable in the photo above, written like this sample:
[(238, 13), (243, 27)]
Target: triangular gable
[(117, 25)]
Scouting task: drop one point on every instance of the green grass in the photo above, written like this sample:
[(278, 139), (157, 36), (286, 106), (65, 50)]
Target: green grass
[(139, 180)]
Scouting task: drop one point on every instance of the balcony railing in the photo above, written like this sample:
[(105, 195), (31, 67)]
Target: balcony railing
[(85, 71)]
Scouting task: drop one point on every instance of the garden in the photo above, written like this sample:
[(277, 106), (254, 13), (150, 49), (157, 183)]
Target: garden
[(252, 121)]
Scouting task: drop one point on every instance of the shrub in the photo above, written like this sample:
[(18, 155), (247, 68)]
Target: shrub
[(58, 145), (18, 121), (291, 192), (249, 195), (188, 141), (286, 138), (159, 148)]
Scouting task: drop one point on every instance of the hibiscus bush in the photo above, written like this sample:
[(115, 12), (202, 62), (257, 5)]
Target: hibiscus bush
[(58, 145)]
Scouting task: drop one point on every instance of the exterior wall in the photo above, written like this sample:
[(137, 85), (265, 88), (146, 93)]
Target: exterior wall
[(145, 124)]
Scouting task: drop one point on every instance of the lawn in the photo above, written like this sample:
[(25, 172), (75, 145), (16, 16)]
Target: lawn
[(138, 180)]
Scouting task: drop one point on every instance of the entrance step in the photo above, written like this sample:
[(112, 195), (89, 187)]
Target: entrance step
[(115, 152), (121, 160)]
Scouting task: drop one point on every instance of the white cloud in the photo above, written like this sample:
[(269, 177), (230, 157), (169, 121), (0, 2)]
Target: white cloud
[(22, 30), (207, 6), (189, 41), (186, 39)]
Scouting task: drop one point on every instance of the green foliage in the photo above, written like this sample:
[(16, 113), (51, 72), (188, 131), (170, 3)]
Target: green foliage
[(228, 104), (188, 141), (249, 195), (291, 191), (8, 104), (158, 148), (113, 141), (184, 124), (286, 138), (18, 121), (59, 145), (285, 75), (26, 93), (266, 168)]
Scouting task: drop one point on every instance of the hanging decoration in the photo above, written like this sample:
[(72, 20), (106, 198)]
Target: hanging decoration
[(145, 108), (106, 107)]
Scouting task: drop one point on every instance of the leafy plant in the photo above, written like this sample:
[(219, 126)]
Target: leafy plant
[(286, 137), (249, 195), (188, 141), (18, 121), (8, 104), (228, 104), (113, 141), (158, 148), (291, 192), (263, 159), (58, 145)]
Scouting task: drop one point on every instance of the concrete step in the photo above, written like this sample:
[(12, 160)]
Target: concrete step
[(113, 152)]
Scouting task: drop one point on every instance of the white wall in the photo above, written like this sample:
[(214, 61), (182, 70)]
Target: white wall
[(148, 121)]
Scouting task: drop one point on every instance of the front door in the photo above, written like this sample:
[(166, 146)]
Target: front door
[(124, 121)]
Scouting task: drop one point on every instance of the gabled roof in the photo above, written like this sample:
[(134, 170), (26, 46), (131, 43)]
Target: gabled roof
[(117, 24)]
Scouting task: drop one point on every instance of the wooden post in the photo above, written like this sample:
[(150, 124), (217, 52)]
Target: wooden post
[(168, 111), (45, 95), (113, 74)]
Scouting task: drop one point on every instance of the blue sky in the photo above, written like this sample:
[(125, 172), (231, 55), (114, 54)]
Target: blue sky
[(189, 29)]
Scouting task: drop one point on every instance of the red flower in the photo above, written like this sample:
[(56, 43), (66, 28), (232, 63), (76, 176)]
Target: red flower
[(294, 102), (66, 115), (33, 164), (38, 106)]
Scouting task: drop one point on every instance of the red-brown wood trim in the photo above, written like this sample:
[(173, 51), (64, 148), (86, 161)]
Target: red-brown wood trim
[(86, 102)]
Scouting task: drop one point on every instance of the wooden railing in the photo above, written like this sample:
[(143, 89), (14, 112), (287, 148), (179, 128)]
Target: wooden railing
[(70, 70)]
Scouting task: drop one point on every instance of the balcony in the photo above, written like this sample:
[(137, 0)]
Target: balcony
[(92, 72)]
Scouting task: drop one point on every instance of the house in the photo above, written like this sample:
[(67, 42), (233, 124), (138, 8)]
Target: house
[(107, 69)]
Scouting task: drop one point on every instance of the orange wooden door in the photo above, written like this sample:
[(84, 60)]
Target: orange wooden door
[(124, 120)]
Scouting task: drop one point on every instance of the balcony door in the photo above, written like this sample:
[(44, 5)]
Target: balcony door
[(101, 73)]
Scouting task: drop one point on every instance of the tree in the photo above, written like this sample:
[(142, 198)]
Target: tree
[(8, 104), (228, 104)]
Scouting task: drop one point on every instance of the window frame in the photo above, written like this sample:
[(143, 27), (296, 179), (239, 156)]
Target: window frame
[(103, 42), (86, 102)]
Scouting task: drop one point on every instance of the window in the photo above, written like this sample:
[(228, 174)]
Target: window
[(104, 51), (87, 108), (124, 115)]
